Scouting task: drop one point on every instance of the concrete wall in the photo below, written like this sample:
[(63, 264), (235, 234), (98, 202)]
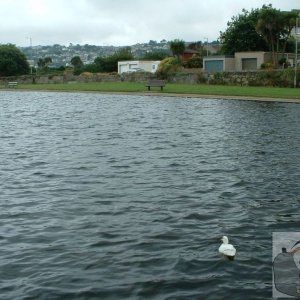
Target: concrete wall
[(261, 57), (229, 64), (149, 66)]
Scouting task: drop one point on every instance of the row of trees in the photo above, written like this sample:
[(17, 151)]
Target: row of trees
[(264, 29), (13, 62), (102, 64)]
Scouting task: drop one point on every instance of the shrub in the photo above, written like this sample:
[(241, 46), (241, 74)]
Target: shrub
[(284, 62), (267, 66), (202, 78), (167, 66), (194, 62)]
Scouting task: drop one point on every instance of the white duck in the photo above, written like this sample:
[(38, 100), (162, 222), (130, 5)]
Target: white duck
[(227, 249)]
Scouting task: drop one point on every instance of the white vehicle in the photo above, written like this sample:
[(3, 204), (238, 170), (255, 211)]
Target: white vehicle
[(135, 70)]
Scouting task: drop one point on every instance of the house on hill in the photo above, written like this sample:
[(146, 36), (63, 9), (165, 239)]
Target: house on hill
[(188, 54)]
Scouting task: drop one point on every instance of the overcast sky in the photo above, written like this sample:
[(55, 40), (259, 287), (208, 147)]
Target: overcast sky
[(119, 22)]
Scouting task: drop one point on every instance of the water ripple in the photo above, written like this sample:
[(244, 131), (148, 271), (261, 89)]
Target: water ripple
[(126, 197)]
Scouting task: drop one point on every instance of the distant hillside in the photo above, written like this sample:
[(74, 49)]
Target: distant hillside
[(61, 55)]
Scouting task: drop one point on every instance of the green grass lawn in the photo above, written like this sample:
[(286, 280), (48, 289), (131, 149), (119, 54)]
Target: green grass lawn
[(197, 89)]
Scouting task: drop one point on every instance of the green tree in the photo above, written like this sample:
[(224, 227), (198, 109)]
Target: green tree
[(197, 60), (289, 22), (168, 66), (269, 26), (177, 47), (76, 62), (41, 63), (123, 54), (156, 55), (110, 63), (44, 62), (198, 46), (48, 61), (241, 34), (275, 27), (194, 62), (12, 61)]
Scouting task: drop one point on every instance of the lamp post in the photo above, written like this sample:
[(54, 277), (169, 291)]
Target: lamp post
[(206, 45), (31, 58), (296, 52)]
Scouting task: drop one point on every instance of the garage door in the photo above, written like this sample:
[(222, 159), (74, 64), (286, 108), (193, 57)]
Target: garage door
[(123, 68), (249, 63), (214, 66)]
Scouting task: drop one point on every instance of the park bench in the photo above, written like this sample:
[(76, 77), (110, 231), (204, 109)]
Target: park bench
[(12, 84), (155, 83)]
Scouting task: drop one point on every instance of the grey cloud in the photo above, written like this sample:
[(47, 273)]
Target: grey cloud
[(119, 22)]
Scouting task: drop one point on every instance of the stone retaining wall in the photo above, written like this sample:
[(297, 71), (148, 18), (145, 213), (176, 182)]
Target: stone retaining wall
[(257, 78), (29, 79), (82, 78), (281, 78)]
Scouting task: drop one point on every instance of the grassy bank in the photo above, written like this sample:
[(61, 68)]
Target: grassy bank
[(201, 89)]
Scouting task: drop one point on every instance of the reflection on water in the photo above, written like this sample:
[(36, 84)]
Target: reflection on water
[(127, 197)]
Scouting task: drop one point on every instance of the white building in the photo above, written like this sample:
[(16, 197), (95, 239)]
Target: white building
[(137, 66)]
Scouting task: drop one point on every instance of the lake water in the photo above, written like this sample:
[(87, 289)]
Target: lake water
[(127, 197)]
